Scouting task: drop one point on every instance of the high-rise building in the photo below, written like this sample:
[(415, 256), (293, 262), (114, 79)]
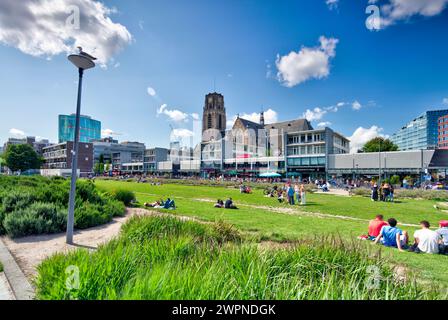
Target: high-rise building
[(443, 132), (421, 133), (89, 129)]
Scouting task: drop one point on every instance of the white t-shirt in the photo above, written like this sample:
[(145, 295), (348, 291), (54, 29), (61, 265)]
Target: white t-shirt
[(428, 240)]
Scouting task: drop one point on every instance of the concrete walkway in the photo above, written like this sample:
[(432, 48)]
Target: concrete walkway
[(17, 281), (5, 289)]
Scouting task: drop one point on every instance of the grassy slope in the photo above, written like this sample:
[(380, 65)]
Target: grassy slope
[(278, 226)]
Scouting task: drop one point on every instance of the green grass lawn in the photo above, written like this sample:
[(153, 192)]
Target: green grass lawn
[(263, 217)]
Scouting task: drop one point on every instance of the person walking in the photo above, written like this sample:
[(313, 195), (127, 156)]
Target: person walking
[(302, 195), (375, 192), (291, 195), (297, 192)]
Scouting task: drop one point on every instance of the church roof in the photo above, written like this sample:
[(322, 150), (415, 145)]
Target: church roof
[(287, 126), (249, 124), (291, 126)]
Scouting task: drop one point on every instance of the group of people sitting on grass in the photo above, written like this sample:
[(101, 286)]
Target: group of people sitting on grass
[(385, 192), (225, 205), (161, 204), (245, 189), (425, 239), (289, 194)]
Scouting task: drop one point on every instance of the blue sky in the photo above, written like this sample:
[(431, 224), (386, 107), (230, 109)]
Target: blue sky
[(380, 79)]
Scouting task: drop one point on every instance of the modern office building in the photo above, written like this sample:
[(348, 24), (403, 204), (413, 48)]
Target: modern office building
[(421, 133), (124, 157), (292, 148), (89, 129), (403, 163), (443, 132), (58, 159), (37, 145), (152, 157)]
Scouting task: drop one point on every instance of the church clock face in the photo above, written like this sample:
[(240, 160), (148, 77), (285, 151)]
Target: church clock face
[(210, 100)]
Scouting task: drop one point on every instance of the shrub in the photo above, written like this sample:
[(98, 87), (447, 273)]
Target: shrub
[(395, 180), (363, 192), (91, 215), (125, 196), (38, 218), (86, 191), (18, 199), (39, 205), (114, 208)]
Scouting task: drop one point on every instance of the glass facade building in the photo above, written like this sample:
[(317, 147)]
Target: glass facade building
[(421, 133), (90, 129)]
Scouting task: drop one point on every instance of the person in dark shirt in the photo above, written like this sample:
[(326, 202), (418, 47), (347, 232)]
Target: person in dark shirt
[(229, 204)]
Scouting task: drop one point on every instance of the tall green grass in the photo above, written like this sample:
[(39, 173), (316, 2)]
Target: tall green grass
[(165, 258)]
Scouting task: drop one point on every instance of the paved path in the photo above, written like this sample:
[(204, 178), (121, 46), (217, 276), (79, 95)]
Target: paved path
[(19, 284), (5, 289)]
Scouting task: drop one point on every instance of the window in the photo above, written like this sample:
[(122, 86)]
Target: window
[(220, 122), (209, 121)]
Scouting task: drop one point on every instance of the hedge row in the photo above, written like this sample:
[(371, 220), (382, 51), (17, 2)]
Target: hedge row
[(38, 205)]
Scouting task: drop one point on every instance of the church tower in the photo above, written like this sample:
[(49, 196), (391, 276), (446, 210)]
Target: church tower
[(214, 115)]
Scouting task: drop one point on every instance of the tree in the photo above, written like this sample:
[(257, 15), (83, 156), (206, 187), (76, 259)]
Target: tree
[(379, 144), (22, 157)]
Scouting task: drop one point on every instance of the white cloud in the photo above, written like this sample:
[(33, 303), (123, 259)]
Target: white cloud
[(17, 133), (315, 114), (177, 134), (298, 67), (445, 101), (362, 135), (270, 116), (399, 10), (356, 106), (174, 115), (151, 91), (39, 138), (195, 116), (109, 133), (332, 4), (49, 27), (268, 70), (324, 124)]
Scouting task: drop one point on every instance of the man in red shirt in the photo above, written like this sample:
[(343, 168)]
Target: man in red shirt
[(375, 226)]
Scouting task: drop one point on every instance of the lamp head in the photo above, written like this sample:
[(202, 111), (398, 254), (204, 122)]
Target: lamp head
[(81, 62)]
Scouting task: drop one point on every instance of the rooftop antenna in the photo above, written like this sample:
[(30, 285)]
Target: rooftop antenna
[(214, 84)]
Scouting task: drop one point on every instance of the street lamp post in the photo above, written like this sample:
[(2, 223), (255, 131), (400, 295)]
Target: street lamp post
[(379, 165), (82, 61)]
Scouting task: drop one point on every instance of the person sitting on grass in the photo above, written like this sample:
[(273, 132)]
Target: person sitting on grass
[(229, 204), (169, 204), (375, 227), (391, 236), (425, 240), (219, 204), (280, 196), (154, 204), (443, 234)]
